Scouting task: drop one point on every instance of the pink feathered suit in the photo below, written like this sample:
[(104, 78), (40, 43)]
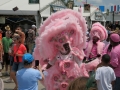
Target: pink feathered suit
[(66, 26)]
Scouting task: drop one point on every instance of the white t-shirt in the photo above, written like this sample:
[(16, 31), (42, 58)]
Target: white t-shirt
[(104, 76)]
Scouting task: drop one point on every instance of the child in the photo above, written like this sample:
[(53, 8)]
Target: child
[(9, 80), (105, 74), (80, 83), (1, 59)]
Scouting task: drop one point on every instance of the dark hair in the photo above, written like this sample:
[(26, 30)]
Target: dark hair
[(27, 63), (109, 48), (108, 38), (17, 37), (106, 58), (19, 27)]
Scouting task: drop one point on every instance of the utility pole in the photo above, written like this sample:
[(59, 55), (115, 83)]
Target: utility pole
[(113, 16), (86, 1), (38, 16)]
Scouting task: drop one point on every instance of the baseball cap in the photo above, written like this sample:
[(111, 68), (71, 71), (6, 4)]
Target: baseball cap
[(33, 26), (28, 57)]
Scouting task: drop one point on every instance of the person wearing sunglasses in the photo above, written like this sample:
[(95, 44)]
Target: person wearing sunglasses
[(18, 51)]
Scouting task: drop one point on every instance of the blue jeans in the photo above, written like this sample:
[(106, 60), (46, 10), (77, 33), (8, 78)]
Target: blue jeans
[(17, 66), (117, 84)]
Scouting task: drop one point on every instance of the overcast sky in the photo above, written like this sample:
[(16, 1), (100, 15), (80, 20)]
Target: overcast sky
[(106, 3)]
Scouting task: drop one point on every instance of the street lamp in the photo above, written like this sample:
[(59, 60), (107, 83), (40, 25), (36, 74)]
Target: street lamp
[(39, 12)]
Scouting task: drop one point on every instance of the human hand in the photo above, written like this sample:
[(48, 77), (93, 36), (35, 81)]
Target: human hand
[(45, 73), (37, 67), (84, 59), (40, 68), (16, 30), (17, 54), (98, 55)]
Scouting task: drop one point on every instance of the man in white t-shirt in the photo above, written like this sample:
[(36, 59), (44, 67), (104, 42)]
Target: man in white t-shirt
[(105, 75)]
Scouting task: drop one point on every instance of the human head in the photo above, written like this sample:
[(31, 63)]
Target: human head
[(105, 59), (34, 27), (8, 34), (82, 83), (95, 39), (16, 38), (66, 48), (114, 39), (64, 23), (28, 59), (19, 28), (98, 30), (78, 84)]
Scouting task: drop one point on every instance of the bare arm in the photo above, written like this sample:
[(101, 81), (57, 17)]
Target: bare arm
[(48, 66), (22, 35), (50, 63), (33, 34), (21, 54), (113, 82), (39, 68)]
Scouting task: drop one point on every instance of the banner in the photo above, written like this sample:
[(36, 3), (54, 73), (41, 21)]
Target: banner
[(111, 8), (102, 8), (114, 7), (87, 8), (70, 4), (2, 20), (118, 7)]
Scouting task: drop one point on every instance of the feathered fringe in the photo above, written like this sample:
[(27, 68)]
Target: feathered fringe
[(61, 21)]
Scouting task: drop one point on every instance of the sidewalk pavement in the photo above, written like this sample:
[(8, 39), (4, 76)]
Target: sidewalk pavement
[(10, 86)]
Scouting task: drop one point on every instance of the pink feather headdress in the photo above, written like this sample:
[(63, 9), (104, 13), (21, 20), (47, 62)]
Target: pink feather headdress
[(99, 31), (66, 25)]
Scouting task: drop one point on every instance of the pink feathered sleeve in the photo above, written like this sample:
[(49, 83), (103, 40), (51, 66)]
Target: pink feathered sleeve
[(114, 59), (105, 49)]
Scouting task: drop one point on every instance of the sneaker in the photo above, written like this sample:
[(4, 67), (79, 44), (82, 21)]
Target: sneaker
[(8, 81), (0, 74), (6, 74)]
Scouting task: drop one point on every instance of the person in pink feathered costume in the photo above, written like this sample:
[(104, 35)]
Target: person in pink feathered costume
[(61, 40), (95, 46)]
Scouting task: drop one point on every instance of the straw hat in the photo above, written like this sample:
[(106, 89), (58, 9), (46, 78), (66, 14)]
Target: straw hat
[(7, 27)]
